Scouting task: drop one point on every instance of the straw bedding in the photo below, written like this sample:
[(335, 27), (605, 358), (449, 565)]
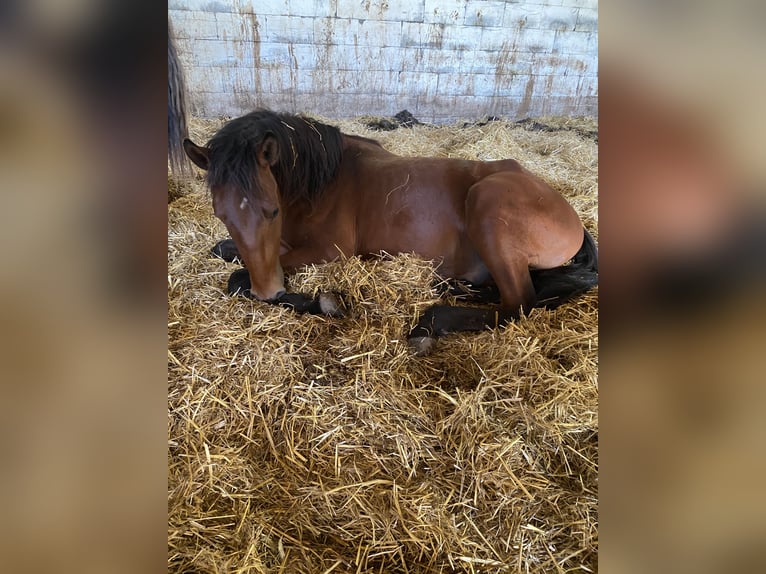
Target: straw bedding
[(310, 444)]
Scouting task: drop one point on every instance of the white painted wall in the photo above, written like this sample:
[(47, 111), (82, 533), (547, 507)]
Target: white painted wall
[(442, 60)]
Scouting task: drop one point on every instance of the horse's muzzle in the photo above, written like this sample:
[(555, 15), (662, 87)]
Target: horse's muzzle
[(278, 296), (247, 292), (275, 298)]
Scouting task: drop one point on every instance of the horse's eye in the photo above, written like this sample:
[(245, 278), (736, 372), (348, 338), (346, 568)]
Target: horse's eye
[(270, 214)]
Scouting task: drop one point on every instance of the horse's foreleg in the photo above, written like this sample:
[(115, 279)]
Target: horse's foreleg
[(226, 250), (239, 282), (323, 304)]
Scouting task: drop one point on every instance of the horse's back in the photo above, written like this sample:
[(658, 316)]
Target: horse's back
[(423, 205)]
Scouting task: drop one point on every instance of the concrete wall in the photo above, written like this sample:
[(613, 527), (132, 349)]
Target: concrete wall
[(442, 60)]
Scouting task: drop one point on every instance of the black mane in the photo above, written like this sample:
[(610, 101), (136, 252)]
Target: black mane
[(310, 153)]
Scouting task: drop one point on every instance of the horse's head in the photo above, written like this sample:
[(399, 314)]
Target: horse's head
[(246, 198)]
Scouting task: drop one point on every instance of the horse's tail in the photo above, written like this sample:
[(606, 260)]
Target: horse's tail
[(556, 286), (177, 130)]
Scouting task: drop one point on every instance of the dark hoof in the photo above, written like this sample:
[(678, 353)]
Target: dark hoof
[(421, 346), (227, 251), (239, 283), (331, 305)]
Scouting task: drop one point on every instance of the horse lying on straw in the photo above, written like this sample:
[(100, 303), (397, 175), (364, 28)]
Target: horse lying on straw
[(293, 191)]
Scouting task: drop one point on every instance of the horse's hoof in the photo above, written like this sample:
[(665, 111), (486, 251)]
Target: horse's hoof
[(331, 305), (226, 250), (239, 283), (422, 346)]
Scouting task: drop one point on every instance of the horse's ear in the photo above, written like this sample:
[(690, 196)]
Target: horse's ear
[(200, 156), (268, 150)]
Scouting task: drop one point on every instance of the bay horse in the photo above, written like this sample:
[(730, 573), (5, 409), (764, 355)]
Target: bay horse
[(293, 191)]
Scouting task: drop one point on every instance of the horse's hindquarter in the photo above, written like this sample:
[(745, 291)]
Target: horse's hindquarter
[(522, 211)]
